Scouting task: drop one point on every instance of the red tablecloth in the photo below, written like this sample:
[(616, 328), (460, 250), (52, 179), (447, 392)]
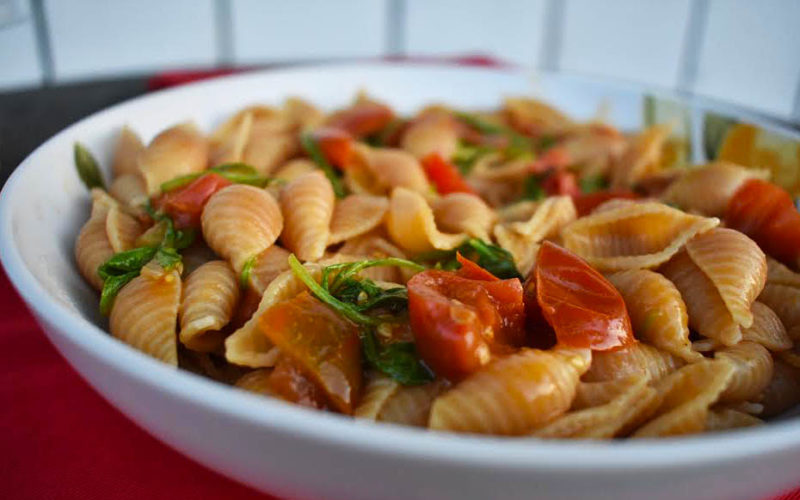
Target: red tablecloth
[(59, 439)]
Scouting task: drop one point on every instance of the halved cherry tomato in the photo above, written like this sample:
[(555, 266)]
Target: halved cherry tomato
[(556, 158), (289, 382), (584, 309), (766, 213), (585, 203), (336, 145), (362, 119), (540, 334), (473, 271), (444, 175), (561, 183), (325, 344), (459, 322), (185, 204)]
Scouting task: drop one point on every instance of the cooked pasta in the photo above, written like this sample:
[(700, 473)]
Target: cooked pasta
[(307, 207), (509, 271)]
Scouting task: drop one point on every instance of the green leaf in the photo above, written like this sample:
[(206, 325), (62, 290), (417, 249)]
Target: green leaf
[(593, 184), (184, 238), (238, 173), (180, 181), (518, 144), (311, 147), (168, 258), (247, 269), (494, 259), (467, 155), (87, 167), (532, 188), (111, 287), (398, 360), (125, 262), (546, 142), (481, 125)]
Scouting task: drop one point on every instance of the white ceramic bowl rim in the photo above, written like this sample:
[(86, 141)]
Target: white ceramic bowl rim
[(469, 451)]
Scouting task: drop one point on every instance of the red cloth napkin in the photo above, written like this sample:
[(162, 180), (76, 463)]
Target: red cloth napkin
[(59, 439)]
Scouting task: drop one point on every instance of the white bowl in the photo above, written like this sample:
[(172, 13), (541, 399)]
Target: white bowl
[(294, 452)]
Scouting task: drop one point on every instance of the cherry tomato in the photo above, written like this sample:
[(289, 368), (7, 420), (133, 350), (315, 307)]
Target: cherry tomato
[(459, 322), (322, 342), (540, 334), (556, 158), (185, 204), (444, 175), (289, 382), (585, 203), (765, 212), (362, 119), (584, 309), (473, 271), (561, 183), (336, 145)]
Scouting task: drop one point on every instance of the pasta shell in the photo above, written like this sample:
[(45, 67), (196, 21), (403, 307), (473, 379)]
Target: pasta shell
[(307, 207), (411, 224), (177, 151), (266, 150), (495, 167), (228, 142), (791, 357), (752, 371), (783, 391), (767, 329), (249, 346), (241, 221), (145, 313), (356, 215), (642, 157), (633, 236), (376, 247), (736, 266), (126, 152), (130, 191), (433, 134), (378, 171), (636, 359), (658, 314), (268, 265), (536, 116), (708, 189), (195, 256), (778, 274), (92, 248), (464, 213), (293, 169), (607, 420), (708, 314), (209, 365), (522, 248), (379, 389), (411, 405), (511, 395), (686, 396), (301, 114), (122, 229), (784, 300), (256, 381), (727, 419), (210, 295), (547, 219)]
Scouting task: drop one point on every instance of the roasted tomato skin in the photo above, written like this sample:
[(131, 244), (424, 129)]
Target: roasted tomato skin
[(444, 175), (459, 322), (335, 144), (185, 204), (362, 119), (584, 308)]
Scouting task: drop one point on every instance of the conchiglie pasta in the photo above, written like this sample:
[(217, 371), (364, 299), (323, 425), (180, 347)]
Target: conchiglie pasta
[(686, 396), (177, 151), (464, 213), (373, 246), (727, 419), (633, 404), (268, 265), (642, 157), (385, 400), (131, 192), (126, 152), (377, 391), (92, 247), (778, 274), (228, 142), (708, 314), (378, 171), (293, 169), (784, 300), (783, 390), (122, 229), (210, 295), (241, 221), (302, 114), (307, 207), (708, 189), (145, 313), (752, 372), (636, 359), (767, 329), (658, 314), (633, 236), (736, 266), (411, 224), (536, 116), (256, 381), (500, 398), (356, 215), (432, 134)]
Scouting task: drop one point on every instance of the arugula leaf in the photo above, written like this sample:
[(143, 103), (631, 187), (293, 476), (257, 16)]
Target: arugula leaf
[(398, 360), (467, 155), (593, 184), (111, 287), (532, 188), (125, 262), (87, 167), (247, 269), (167, 258), (481, 125), (494, 259), (546, 142), (518, 144), (311, 147), (238, 173)]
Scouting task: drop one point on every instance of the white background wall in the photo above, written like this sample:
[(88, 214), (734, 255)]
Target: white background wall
[(744, 51)]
